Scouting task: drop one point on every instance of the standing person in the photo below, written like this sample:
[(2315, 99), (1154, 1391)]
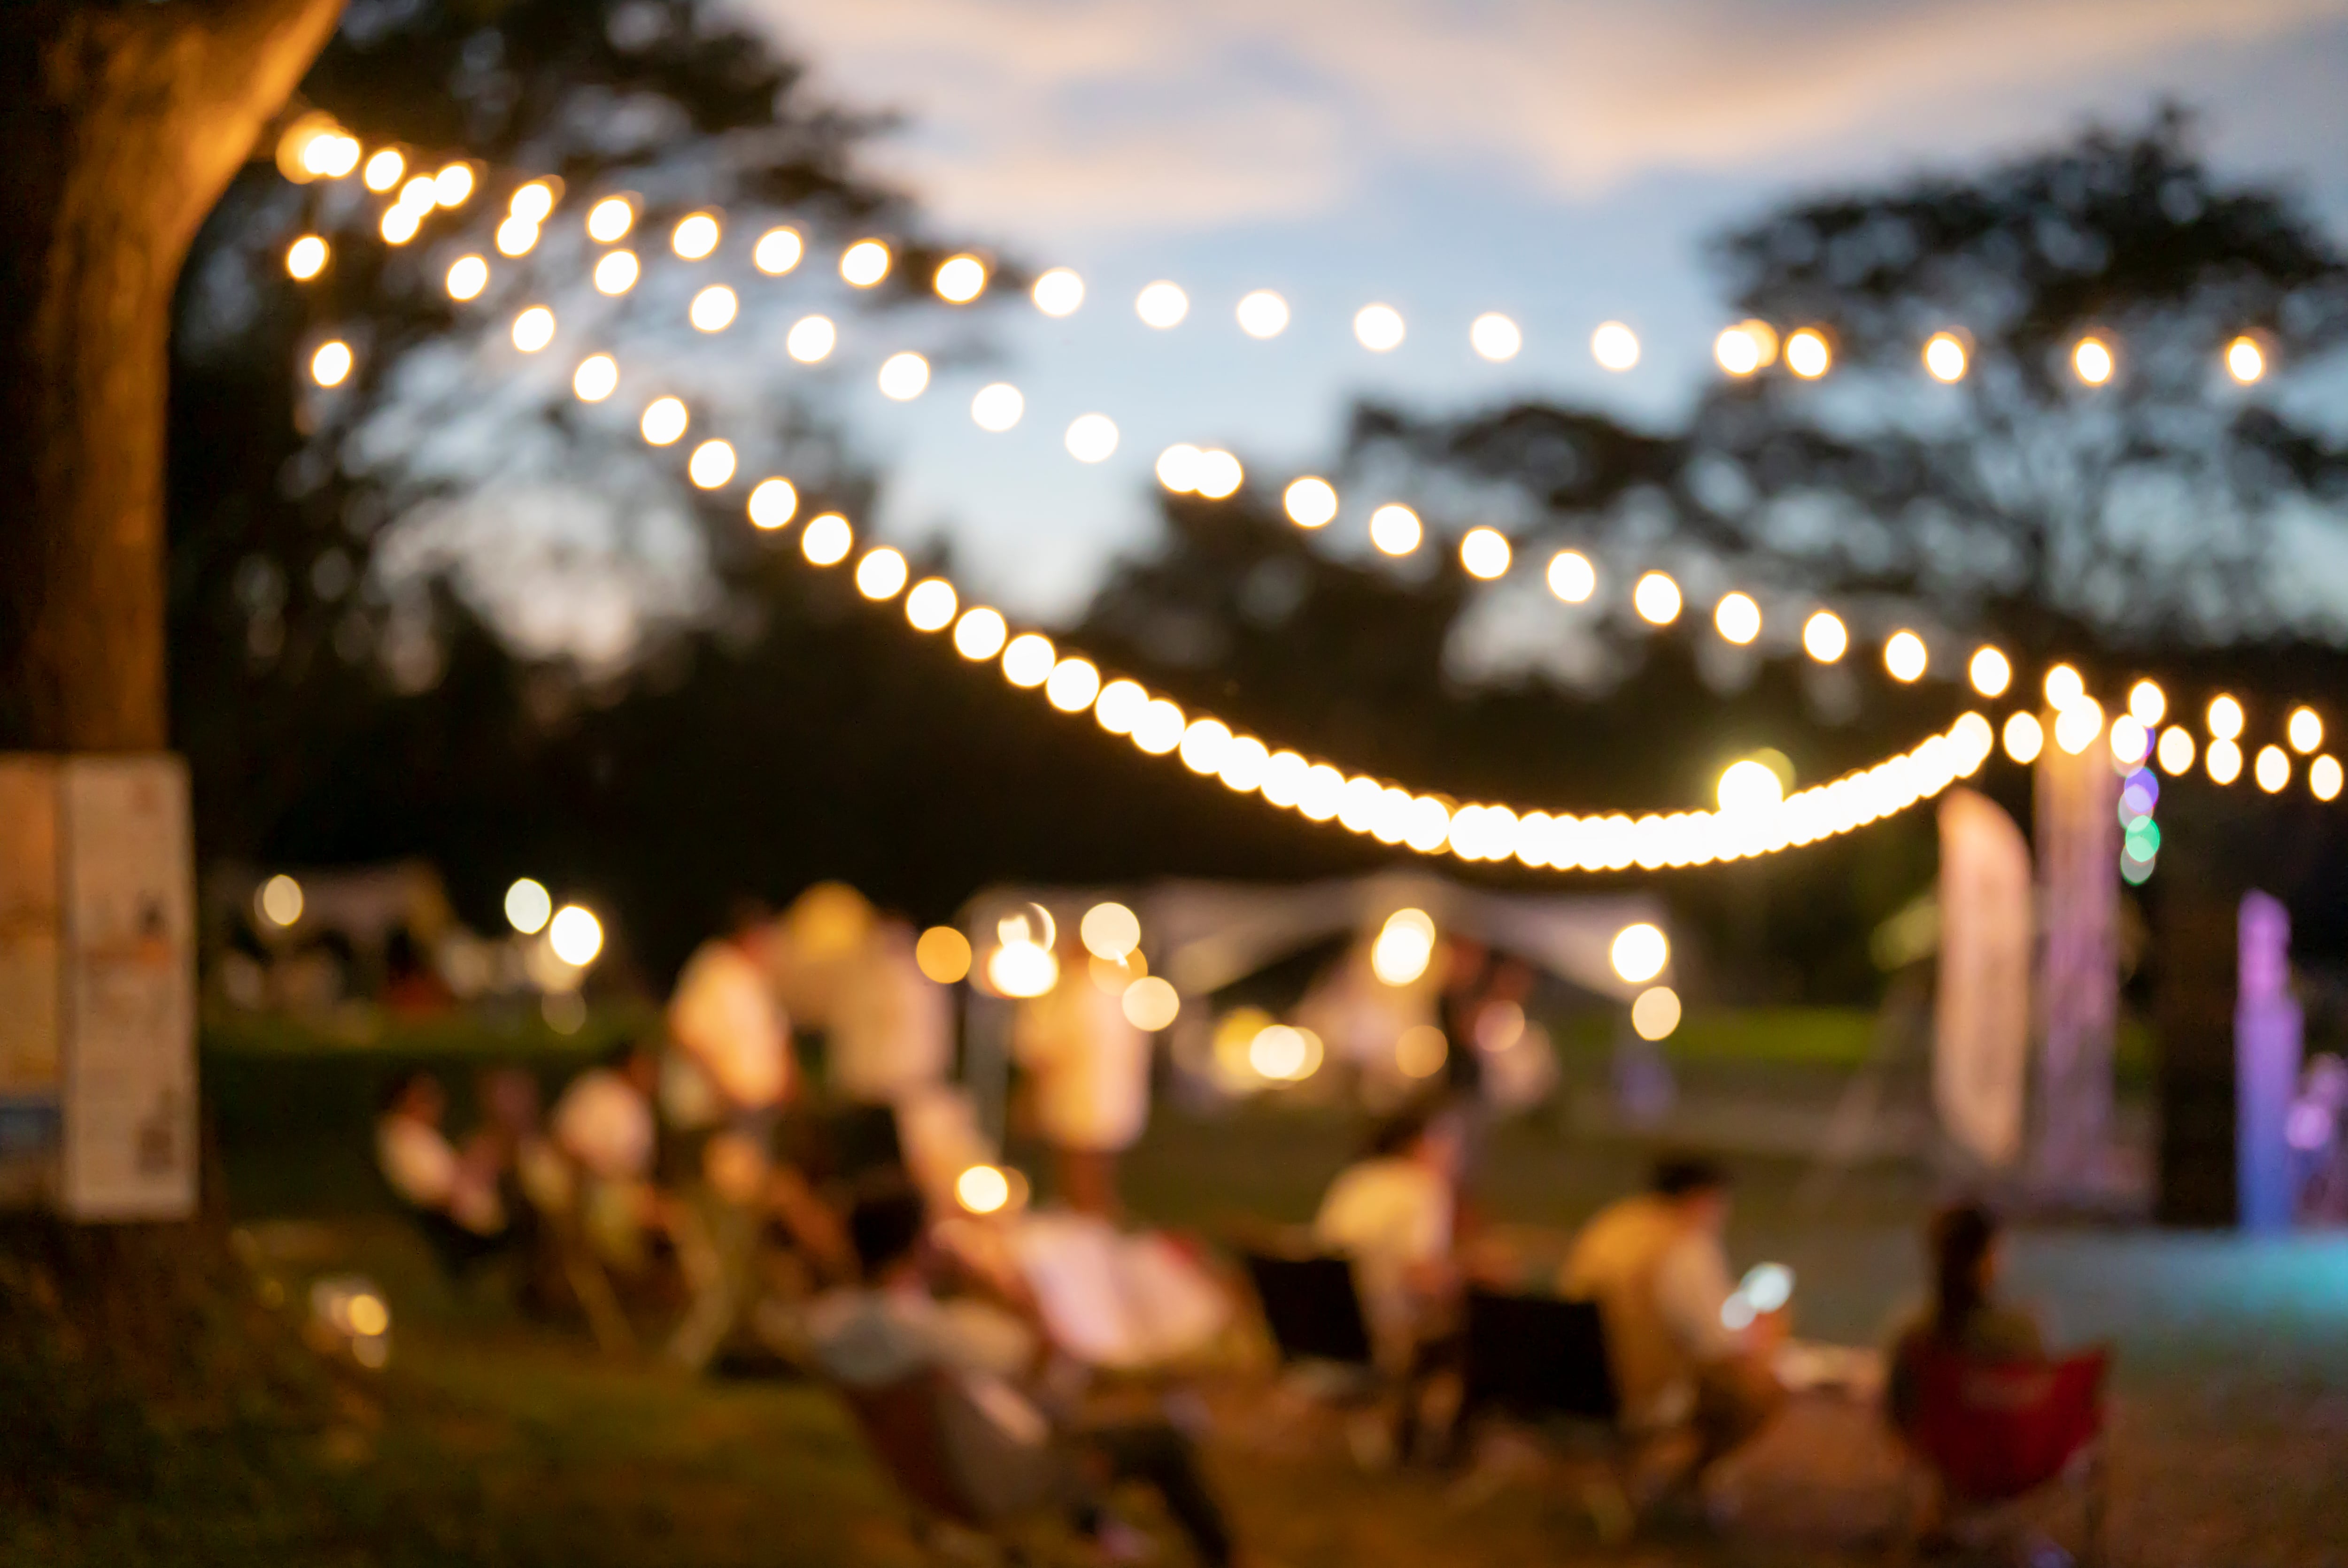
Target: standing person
[(1655, 1266), (891, 1044), (1090, 1077), (725, 1018)]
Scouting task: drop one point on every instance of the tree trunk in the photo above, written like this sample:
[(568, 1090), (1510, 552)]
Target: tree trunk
[(120, 123)]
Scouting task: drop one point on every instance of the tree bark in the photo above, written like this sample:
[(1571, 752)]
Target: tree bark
[(120, 123)]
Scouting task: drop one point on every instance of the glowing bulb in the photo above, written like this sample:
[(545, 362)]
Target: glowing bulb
[(980, 634), (529, 907), (777, 252), (1656, 597), (1161, 306), (1219, 475), (452, 185), (810, 339), (306, 257), (1203, 740), (1059, 293), (1263, 315), (1749, 786), (611, 219), (1092, 437), (1072, 685), (2226, 719), (665, 421), (1243, 764), (1572, 577), (880, 574), (1806, 353), (772, 504), (1906, 656), (1178, 468), (1484, 553), (2323, 778), (1656, 1012), (1378, 328), (575, 935), (827, 539), (1119, 707), (1404, 946), (1496, 337), (617, 272), (864, 264), (1151, 1004), (2092, 359), (1639, 953), (2078, 724), (905, 376), (533, 329), (2147, 703), (959, 279), (998, 407), (1824, 637), (2129, 740), (1737, 618), (420, 195), (695, 237), (2224, 760), (468, 276), (1944, 357), (712, 465), (384, 170), (2024, 737), (2064, 686), (1737, 350), (1614, 347), (2305, 730), (1160, 727), (515, 236), (2176, 751), (930, 606), (331, 365), (533, 203), (982, 1190), (597, 377), (400, 225), (2245, 360), (1395, 528), (281, 900), (2273, 768), (1023, 969), (1310, 502), (1989, 673)]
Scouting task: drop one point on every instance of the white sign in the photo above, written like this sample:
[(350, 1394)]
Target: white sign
[(1980, 1049)]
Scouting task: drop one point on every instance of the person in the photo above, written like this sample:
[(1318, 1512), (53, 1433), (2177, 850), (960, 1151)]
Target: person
[(1090, 1085), (1963, 1312), (1004, 1455), (604, 1127), (1392, 1213), (454, 1196), (892, 1026), (1655, 1266), (724, 1017)]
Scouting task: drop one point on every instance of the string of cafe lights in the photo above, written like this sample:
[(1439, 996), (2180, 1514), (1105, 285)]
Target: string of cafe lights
[(1310, 501)]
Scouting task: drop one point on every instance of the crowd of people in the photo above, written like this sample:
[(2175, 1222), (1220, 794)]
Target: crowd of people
[(832, 1222)]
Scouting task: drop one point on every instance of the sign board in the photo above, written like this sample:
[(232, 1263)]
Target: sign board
[(2078, 843), (98, 1072), (1981, 1034)]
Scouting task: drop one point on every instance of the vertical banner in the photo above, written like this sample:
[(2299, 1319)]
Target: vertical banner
[(1980, 1035), (31, 979), (128, 989), (2266, 1066), (2078, 975)]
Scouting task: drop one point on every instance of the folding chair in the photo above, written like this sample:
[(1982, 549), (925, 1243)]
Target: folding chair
[(1311, 1307), (1541, 1359), (1993, 1432)]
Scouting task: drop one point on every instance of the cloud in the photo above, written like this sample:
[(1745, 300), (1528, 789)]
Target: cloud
[(1158, 115)]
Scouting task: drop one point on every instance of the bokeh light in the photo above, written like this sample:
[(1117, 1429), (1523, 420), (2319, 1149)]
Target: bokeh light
[(597, 377), (2323, 778), (2130, 741), (1421, 1051), (1151, 1004), (1737, 618), (1484, 553), (982, 1190), (1092, 438), (330, 364), (714, 308), (1023, 969), (611, 219), (2078, 724), (1395, 528), (997, 408), (1073, 685), (528, 905), (1310, 502), (533, 329), (1656, 1012), (1161, 306), (280, 900), (1905, 655), (2223, 758), (944, 955), (1160, 727), (1059, 293), (827, 539), (930, 606), (617, 272), (880, 574), (2305, 729), (1028, 659), (1638, 952), (1572, 577), (2092, 361), (453, 186), (382, 170), (468, 276), (1614, 347), (1262, 314), (1989, 673), (1404, 948), (1824, 638), (2246, 362), (1109, 930), (1219, 475), (1656, 597), (2225, 718), (1945, 357), (959, 279), (2177, 750), (1119, 706), (980, 634), (665, 421), (1747, 346), (2063, 686), (711, 464), (812, 339), (2272, 769), (306, 257), (575, 935), (517, 236), (905, 376), (772, 504), (864, 264), (2147, 703), (695, 236), (1496, 337), (2024, 737), (1378, 328), (777, 252), (1203, 742), (1749, 787), (1806, 353)]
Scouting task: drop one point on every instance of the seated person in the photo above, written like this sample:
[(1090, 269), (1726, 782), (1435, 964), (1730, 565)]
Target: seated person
[(1005, 1455), (456, 1196), (1655, 1265), (604, 1127), (1391, 1212), (1964, 1314)]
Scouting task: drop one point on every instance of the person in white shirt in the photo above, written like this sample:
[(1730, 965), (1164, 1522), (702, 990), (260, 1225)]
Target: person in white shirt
[(1004, 1454), (456, 1197), (892, 1026), (603, 1126), (1089, 1080), (725, 1018), (1656, 1268), (1392, 1213)]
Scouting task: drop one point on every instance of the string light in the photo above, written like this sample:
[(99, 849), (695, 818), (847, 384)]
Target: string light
[(959, 279), (880, 574), (2024, 737), (610, 219), (597, 377), (695, 237), (980, 634), (1072, 685), (1484, 553), (1614, 347), (777, 250), (1824, 637), (2092, 361), (2272, 769), (384, 170), (533, 329), (1737, 618), (1906, 657), (1058, 293), (1378, 328), (2147, 703), (1496, 337), (453, 186), (616, 272), (2078, 723), (1989, 673), (864, 264), (2305, 730), (532, 203), (515, 236), (1092, 438), (665, 421), (930, 606), (2176, 751), (2225, 718), (1656, 597), (1572, 577), (1395, 528), (2223, 758), (905, 376), (1944, 357), (400, 225), (2246, 362), (827, 539), (330, 364), (712, 463), (306, 257), (1310, 502), (1161, 306), (2063, 686), (1262, 314), (468, 276), (772, 504), (810, 339), (714, 308), (1806, 353), (2323, 778), (998, 407)]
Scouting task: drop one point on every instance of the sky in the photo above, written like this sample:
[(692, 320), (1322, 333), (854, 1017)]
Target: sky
[(1560, 161)]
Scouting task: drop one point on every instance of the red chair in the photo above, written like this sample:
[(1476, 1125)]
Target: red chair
[(1993, 1432)]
